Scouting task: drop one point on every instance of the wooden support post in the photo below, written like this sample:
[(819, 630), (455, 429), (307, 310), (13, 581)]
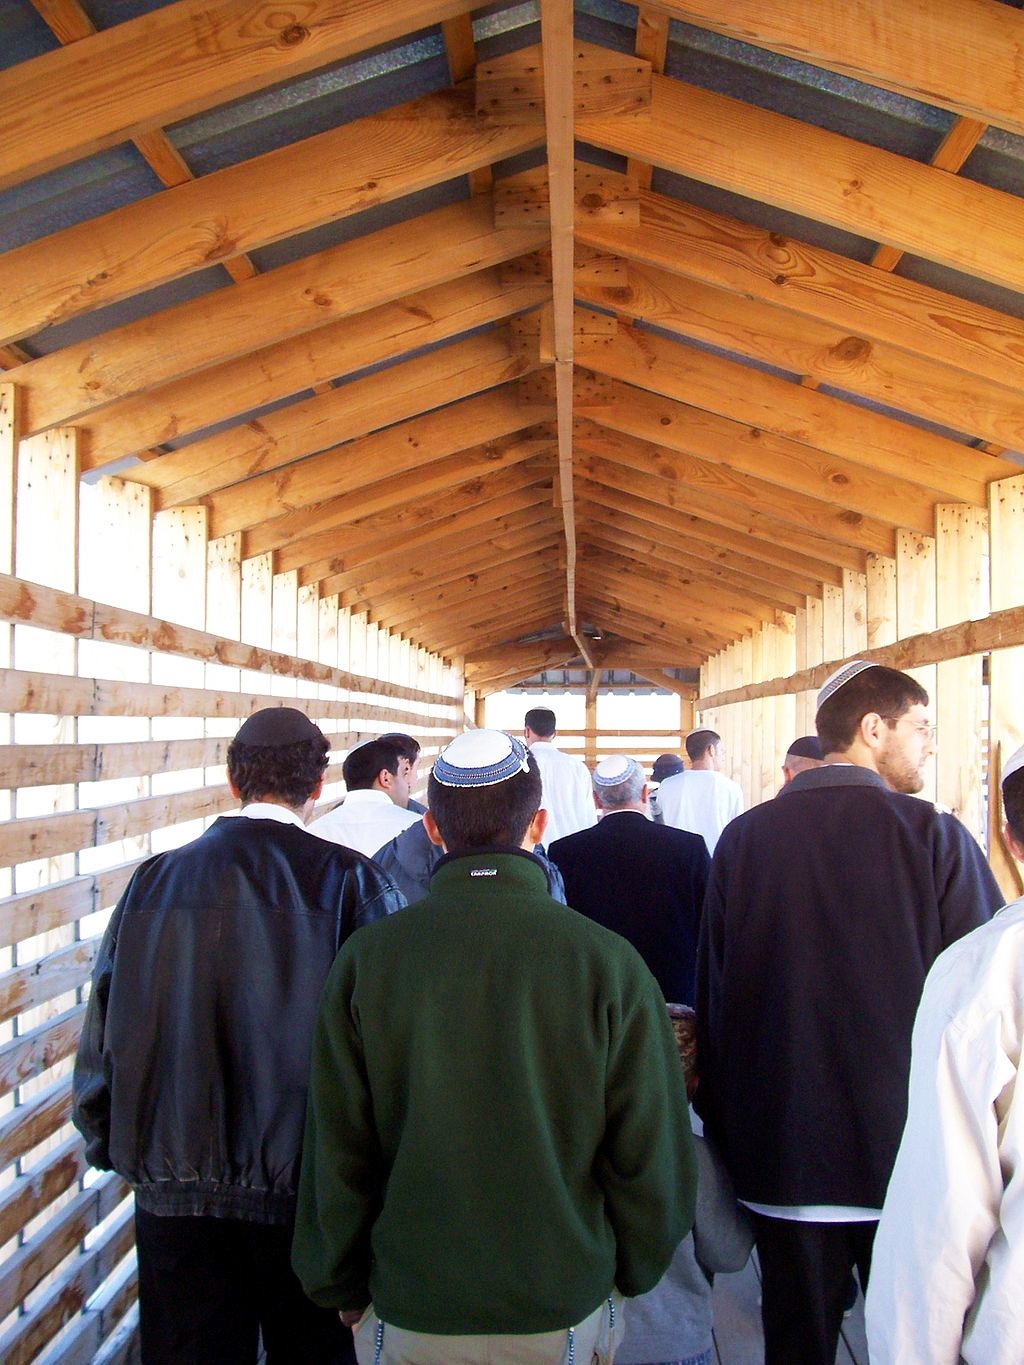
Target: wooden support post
[(1006, 677), (915, 611), (961, 544)]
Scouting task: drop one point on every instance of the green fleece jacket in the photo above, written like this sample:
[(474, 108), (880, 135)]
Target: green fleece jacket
[(497, 1131)]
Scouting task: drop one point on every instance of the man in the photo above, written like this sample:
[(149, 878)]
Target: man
[(665, 765), (194, 1060), (498, 1140), (409, 756), (567, 795), (949, 1256), (644, 881), (702, 799), (825, 909), (802, 755), (376, 798)]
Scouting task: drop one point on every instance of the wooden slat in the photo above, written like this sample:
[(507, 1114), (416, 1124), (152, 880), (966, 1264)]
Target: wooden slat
[(770, 404), (339, 282), (36, 982), (248, 205), (81, 617), (960, 57), (652, 595), (175, 61), (846, 294), (37, 765), (831, 356), (28, 1195), (808, 170), (36, 1051), (267, 375), (247, 453)]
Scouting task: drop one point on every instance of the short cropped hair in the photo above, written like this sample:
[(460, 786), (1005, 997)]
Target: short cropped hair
[(472, 819), (541, 721), (624, 793), (364, 762), (410, 748), (886, 691), (1013, 803), (287, 772), (699, 742)]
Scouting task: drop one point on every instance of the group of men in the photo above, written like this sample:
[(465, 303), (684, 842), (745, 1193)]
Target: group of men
[(497, 1144)]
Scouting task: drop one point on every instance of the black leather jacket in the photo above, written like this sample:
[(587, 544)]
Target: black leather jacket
[(193, 1063)]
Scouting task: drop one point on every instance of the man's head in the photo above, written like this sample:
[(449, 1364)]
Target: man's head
[(802, 754), (539, 724), (1013, 802), (377, 766), (619, 784), (278, 755), (704, 749), (875, 717), (666, 765), (409, 756), (484, 792)]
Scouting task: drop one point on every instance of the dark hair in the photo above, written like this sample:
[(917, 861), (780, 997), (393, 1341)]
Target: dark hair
[(1013, 803), (409, 750), (289, 772), (364, 762), (541, 721), (699, 742), (886, 691), (474, 818)]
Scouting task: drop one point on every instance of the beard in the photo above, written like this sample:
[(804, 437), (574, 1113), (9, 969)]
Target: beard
[(899, 771)]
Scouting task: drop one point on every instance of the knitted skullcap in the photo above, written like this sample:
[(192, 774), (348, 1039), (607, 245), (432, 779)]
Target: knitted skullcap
[(666, 765), (480, 758), (806, 746), (840, 678), (1014, 763), (611, 771), (277, 725)]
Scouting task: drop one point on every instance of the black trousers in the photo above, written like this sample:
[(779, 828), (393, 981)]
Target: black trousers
[(209, 1286), (805, 1272)]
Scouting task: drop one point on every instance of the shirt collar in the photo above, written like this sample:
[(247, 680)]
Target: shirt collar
[(270, 810)]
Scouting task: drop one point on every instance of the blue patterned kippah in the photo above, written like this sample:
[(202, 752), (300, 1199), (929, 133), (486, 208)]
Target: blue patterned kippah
[(841, 677), (611, 771), (480, 758)]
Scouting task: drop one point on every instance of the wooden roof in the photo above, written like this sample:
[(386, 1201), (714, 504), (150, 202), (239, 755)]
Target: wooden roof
[(543, 334)]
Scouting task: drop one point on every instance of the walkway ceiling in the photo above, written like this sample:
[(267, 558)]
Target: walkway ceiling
[(548, 336)]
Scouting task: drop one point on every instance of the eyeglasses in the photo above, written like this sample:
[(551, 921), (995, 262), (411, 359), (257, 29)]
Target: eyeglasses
[(925, 730)]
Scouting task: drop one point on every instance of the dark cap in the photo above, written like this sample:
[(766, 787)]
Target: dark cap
[(278, 725), (666, 765), (806, 747)]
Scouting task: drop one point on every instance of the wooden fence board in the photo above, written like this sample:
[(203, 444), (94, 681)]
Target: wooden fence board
[(34, 1052), (33, 984), (49, 907), (32, 1123)]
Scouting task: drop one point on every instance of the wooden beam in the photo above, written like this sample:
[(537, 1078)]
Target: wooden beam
[(173, 62), (932, 52), (803, 169)]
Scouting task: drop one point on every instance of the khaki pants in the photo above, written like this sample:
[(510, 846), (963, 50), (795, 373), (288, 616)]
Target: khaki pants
[(594, 1342)]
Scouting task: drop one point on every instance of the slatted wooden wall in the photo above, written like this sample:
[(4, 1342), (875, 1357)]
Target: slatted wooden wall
[(133, 646)]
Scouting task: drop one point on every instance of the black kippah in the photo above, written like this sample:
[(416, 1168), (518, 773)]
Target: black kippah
[(277, 725)]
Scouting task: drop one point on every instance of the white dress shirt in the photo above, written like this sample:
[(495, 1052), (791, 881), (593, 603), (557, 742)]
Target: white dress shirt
[(365, 821), (701, 801), (568, 794)]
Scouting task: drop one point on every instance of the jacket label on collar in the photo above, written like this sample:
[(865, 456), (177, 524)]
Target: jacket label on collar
[(483, 871)]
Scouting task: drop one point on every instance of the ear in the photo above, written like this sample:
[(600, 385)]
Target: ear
[(644, 791), (535, 833), (433, 833), (317, 791), (871, 729), (233, 788), (385, 780), (1014, 844)]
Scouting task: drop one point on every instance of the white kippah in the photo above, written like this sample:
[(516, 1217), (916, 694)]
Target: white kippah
[(611, 771), (1014, 763), (841, 677), (480, 758)]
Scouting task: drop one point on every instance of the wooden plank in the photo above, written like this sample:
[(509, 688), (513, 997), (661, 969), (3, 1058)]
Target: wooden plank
[(931, 52), (81, 617), (698, 480), (1006, 669), (838, 292), (37, 1119), (29, 1195), (790, 464), (248, 205), (768, 403), (825, 353), (961, 549), (36, 1051), (316, 357), (881, 600), (23, 988), (822, 175), (173, 62), (337, 283), (44, 908), (249, 450)]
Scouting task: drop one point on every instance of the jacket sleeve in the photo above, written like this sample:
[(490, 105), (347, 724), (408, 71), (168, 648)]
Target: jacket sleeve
[(942, 1211), (968, 893), (368, 895), (722, 1232), (646, 1165), (341, 1183), (90, 1091)]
